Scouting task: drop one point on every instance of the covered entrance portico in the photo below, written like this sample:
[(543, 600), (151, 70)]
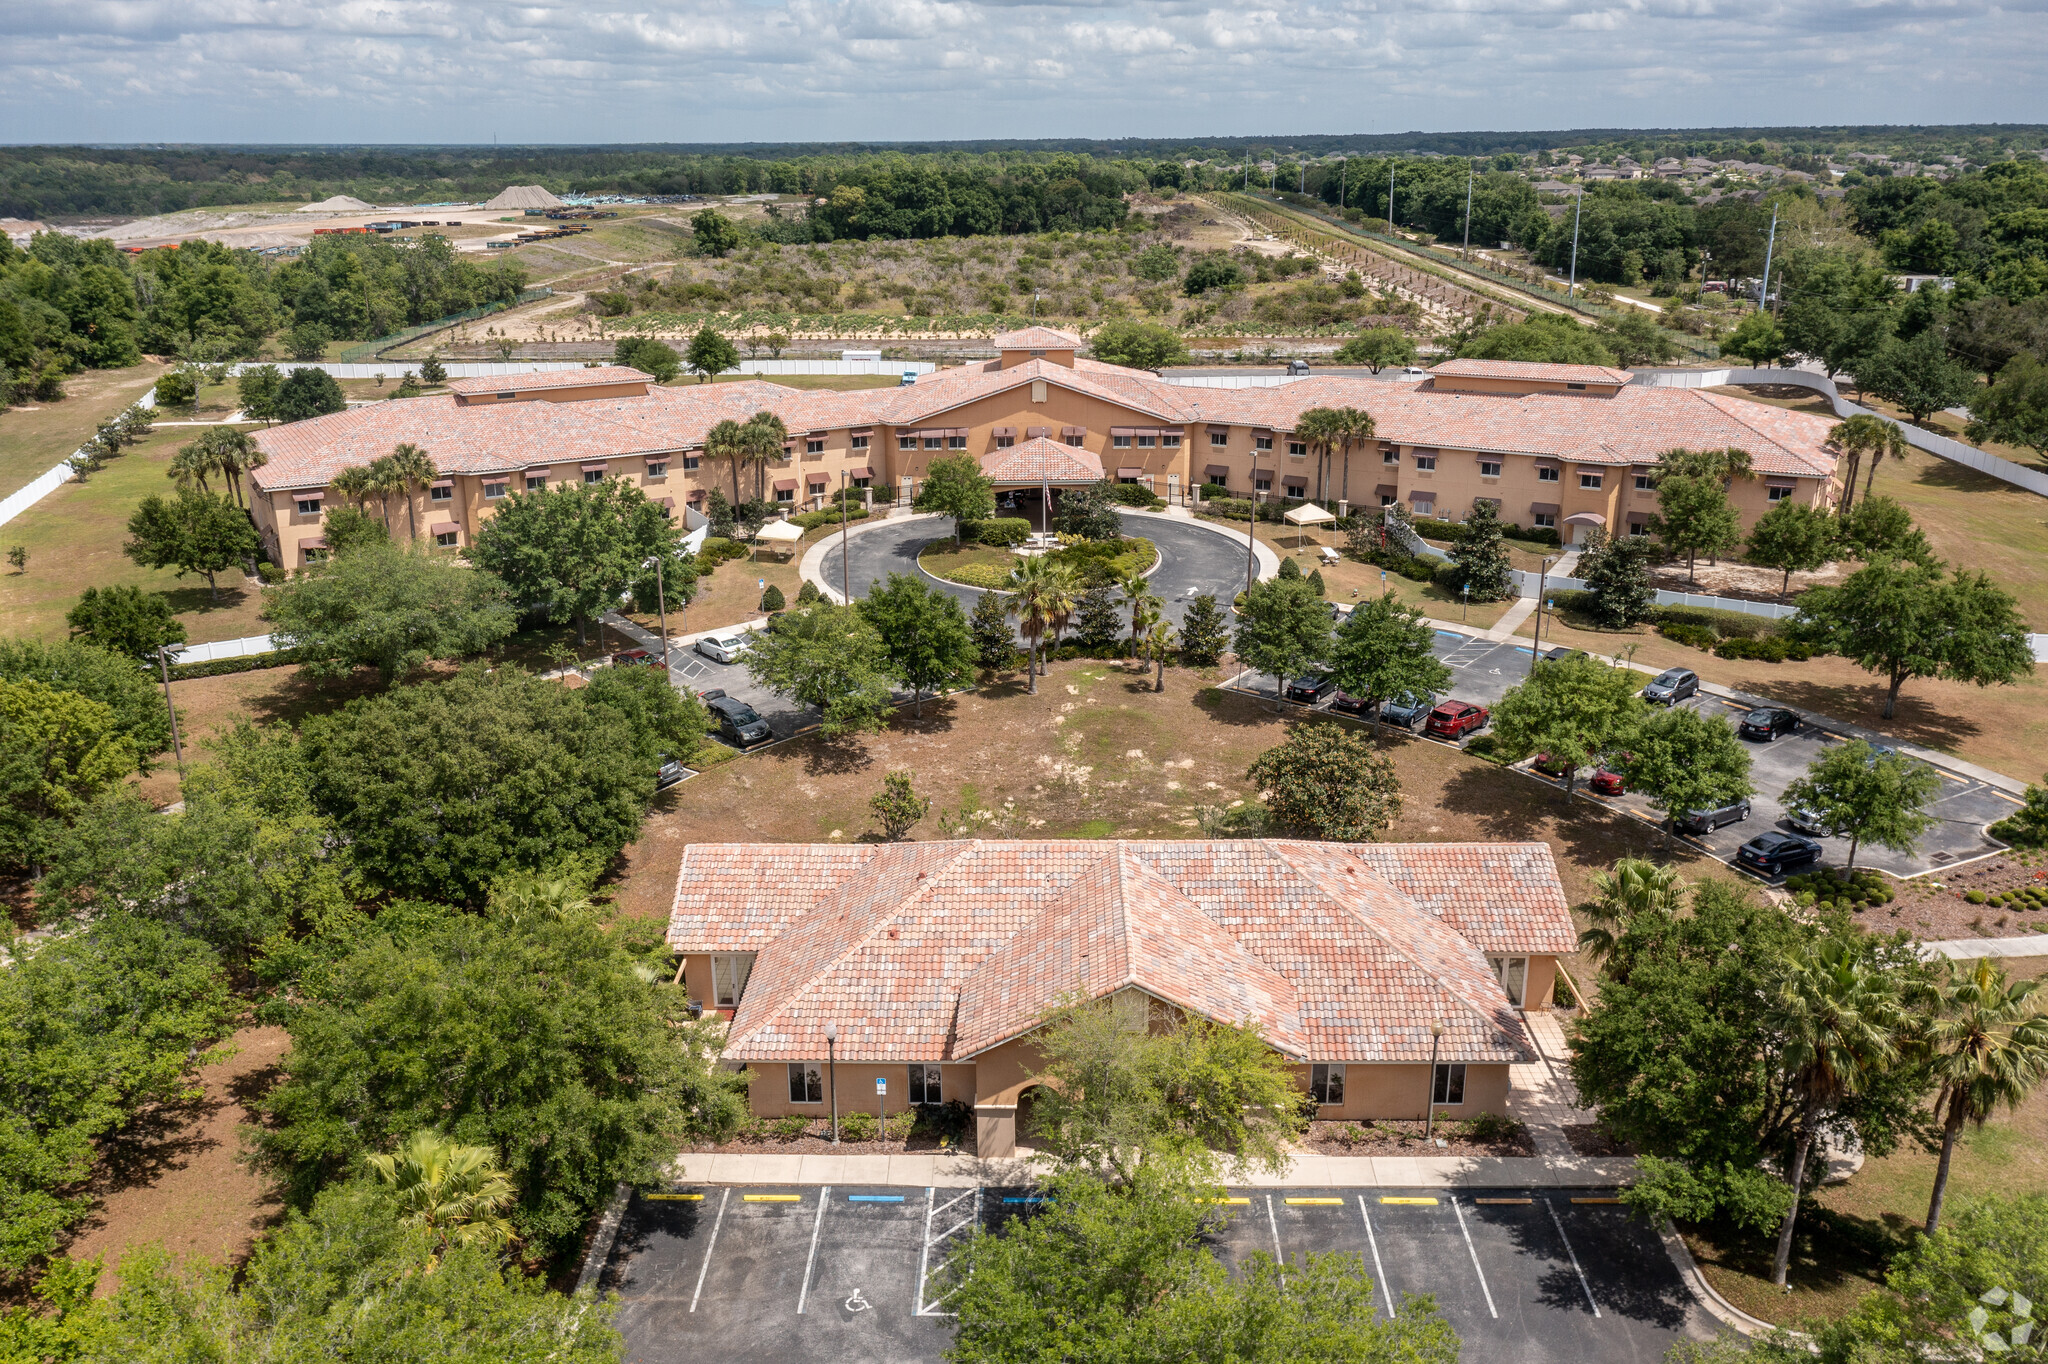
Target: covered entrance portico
[(1030, 477)]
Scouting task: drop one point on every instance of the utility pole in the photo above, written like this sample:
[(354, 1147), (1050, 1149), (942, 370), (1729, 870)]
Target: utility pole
[(661, 606), (1763, 293), (845, 591), (1251, 525), (1390, 193), (1577, 209), (1468, 208), (177, 748), (1343, 182)]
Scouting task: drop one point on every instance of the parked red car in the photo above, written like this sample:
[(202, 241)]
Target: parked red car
[(1453, 720), (1606, 781)]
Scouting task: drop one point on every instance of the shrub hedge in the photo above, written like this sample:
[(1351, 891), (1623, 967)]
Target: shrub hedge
[(1000, 530), (828, 517), (1862, 889)]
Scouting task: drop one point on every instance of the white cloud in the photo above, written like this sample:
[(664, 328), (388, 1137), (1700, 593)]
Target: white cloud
[(774, 70)]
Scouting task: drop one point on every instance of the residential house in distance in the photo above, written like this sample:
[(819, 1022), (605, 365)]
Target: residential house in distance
[(1557, 446), (934, 963)]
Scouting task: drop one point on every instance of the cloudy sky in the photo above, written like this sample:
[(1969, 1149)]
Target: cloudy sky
[(774, 70)]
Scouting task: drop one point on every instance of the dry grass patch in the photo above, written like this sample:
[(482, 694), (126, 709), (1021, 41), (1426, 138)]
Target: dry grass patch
[(35, 436)]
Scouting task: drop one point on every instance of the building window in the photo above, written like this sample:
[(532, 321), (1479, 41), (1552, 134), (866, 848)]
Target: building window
[(806, 1082), (1297, 448), (1589, 481), (1005, 442), (1390, 455), (785, 494), (934, 442), (1576, 388), (493, 491), (1513, 975), (1119, 442), (1264, 485), (657, 468), (814, 447), (955, 443), (862, 482), (860, 442), (310, 506), (1777, 495), (314, 556), (1489, 468), (1546, 473), (593, 475), (536, 482), (1388, 499), (729, 972), (1218, 481), (924, 1085), (1262, 442), (1148, 442), (1425, 461), (1326, 1084), (817, 490), (1544, 520), (440, 494), (1171, 440), (906, 442), (1218, 439), (1450, 1083), (1646, 483), (1638, 528), (1424, 508), (446, 539), (1074, 439), (691, 462)]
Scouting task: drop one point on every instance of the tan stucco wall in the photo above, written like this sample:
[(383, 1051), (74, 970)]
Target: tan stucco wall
[(573, 394), (1402, 1091), (768, 1088)]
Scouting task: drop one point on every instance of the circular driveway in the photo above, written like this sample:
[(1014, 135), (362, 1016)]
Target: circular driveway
[(1193, 559)]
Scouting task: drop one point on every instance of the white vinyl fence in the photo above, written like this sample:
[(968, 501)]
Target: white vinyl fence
[(51, 479), (491, 369), (1235, 380), (247, 647)]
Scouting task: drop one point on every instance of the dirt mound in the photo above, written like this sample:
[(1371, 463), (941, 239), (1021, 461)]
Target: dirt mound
[(340, 203), (524, 196)]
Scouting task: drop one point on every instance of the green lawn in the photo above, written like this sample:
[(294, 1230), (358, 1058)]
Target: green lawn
[(74, 539), (35, 436), (943, 558)]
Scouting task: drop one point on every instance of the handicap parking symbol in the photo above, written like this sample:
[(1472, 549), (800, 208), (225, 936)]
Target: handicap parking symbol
[(857, 1303)]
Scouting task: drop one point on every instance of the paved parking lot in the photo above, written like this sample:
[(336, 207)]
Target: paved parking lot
[(850, 1274), (1483, 671)]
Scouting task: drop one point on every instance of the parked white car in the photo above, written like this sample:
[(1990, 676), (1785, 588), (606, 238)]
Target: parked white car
[(722, 648)]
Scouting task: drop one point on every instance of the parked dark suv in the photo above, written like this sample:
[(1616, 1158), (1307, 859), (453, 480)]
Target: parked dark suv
[(1671, 686), (1767, 723), (1775, 853), (1310, 688), (739, 724)]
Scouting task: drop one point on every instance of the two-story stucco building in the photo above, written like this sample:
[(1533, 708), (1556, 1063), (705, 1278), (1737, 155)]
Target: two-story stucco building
[(1569, 447)]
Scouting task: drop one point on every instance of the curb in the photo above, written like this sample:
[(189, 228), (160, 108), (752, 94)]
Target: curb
[(814, 557), (601, 1243), (1696, 1283)]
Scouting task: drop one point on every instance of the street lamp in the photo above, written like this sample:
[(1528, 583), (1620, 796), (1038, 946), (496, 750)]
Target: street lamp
[(845, 591), (1436, 1037), (832, 1074), (163, 662), (1541, 578), (1251, 525), (660, 605)]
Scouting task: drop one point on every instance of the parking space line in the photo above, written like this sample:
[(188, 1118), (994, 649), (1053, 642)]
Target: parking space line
[(1279, 1256), (709, 1246), (1386, 1289), (919, 1307), (817, 1225), (1473, 1251), (1558, 1222)]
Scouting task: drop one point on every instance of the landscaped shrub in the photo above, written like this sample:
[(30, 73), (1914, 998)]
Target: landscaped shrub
[(717, 549), (1769, 650), (789, 1127), (899, 1125), (1133, 495), (1003, 530), (1492, 1127), (1862, 889), (978, 575), (829, 517), (1698, 636), (771, 600), (858, 1126), (1975, 897), (807, 595)]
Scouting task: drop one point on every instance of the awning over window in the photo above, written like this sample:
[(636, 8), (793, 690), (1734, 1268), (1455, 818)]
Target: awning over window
[(1293, 482), (1493, 502), (1034, 432), (862, 431), (817, 484), (1128, 472), (1780, 483), (863, 472), (538, 468), (442, 483), (1073, 430), (1428, 451), (1639, 518), (785, 484), (1010, 431), (1422, 495), (1386, 490), (1585, 519), (1218, 430), (315, 543), (1546, 464), (667, 503), (596, 468), (1218, 470), (694, 495), (1544, 508), (316, 497), (442, 528)]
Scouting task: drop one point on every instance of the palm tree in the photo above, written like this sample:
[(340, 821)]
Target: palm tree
[(1159, 642), (1320, 428), (766, 438), (1065, 596), (1032, 592), (192, 465), (1989, 1039), (411, 465), (353, 483), (1841, 1019), (384, 480), (1633, 887), (1860, 436), (1145, 603), (727, 440), (1355, 429), (452, 1190), (229, 454)]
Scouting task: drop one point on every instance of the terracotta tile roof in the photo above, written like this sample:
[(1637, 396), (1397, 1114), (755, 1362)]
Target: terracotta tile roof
[(945, 389), (1042, 460), (544, 379), (932, 951), (1036, 338), (1524, 369)]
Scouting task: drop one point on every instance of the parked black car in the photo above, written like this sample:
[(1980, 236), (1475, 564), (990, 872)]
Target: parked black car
[(1776, 853), (1405, 709), (1311, 688), (739, 724), (1767, 723), (1671, 686)]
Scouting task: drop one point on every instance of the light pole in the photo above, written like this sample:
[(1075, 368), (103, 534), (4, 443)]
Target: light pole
[(1436, 1037), (1468, 210), (660, 606), (1578, 208), (845, 592), (1251, 525), (832, 1074), (1541, 578), (163, 662), (1763, 294)]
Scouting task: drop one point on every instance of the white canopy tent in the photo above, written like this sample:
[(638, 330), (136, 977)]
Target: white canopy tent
[(781, 533), (1304, 516)]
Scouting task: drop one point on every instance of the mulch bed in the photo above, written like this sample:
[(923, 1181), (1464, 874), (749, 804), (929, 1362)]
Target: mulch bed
[(1934, 907), (818, 1142), (1403, 1137), (1588, 1140)]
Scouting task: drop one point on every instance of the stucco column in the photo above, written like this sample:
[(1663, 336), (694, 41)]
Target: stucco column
[(995, 1130)]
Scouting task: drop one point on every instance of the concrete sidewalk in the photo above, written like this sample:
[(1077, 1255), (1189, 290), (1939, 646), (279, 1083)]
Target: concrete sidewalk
[(1308, 1171), (1969, 949)]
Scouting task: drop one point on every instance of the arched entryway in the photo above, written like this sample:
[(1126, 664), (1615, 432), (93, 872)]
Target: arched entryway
[(1027, 1117)]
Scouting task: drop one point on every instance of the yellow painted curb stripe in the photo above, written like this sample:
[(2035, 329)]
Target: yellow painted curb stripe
[(1516, 1201), (1596, 1200), (1423, 1202), (1233, 1202), (674, 1197), (1315, 1202), (771, 1198)]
